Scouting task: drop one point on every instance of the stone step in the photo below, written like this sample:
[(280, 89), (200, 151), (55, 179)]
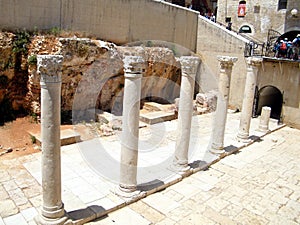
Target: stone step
[(157, 117), (154, 106), (67, 137)]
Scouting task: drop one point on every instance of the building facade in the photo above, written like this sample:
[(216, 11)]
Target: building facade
[(256, 18)]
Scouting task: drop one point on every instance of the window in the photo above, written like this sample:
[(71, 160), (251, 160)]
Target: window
[(282, 4), (245, 29), (256, 9), (242, 9)]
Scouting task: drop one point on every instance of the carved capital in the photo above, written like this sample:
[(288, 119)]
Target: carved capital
[(226, 61), (254, 61), (189, 65), (50, 68), (133, 66)]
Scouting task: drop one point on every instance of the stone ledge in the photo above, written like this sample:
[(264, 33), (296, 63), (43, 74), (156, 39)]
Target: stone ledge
[(67, 137), (157, 117)]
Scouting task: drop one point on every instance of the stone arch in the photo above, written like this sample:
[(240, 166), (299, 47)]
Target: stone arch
[(290, 35), (245, 29), (269, 96)]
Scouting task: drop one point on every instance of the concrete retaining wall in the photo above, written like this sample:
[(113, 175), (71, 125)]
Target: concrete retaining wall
[(119, 21), (214, 40)]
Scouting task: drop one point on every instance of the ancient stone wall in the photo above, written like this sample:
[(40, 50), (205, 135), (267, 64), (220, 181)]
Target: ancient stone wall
[(92, 73)]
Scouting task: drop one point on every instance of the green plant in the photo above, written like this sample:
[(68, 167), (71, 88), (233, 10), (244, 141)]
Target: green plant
[(34, 117), (55, 31), (33, 139), (20, 43), (32, 60)]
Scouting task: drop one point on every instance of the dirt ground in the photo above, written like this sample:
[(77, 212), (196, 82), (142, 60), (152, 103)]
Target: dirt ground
[(14, 135)]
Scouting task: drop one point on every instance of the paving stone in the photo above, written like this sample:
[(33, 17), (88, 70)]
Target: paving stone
[(18, 196), (4, 176), (217, 203), (290, 210), (15, 219), (279, 199), (36, 201), (29, 213), (1, 221), (161, 203), (166, 221), (218, 217), (9, 185), (247, 217), (3, 193), (147, 212), (7, 208), (170, 193), (127, 216), (196, 218), (231, 211), (181, 212)]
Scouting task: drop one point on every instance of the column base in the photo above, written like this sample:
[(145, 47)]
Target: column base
[(123, 192), (243, 137), (219, 152), (263, 129), (47, 221), (181, 169)]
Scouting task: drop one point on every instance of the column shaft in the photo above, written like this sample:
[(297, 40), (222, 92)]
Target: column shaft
[(247, 106), (189, 66), (264, 119), (49, 67), (219, 124), (133, 66)]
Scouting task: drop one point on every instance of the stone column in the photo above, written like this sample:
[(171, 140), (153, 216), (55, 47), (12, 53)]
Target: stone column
[(264, 119), (133, 69), (251, 79), (218, 131), (49, 68), (189, 67)]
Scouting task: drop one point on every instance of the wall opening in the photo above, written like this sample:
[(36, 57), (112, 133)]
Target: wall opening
[(245, 29), (282, 4), (269, 96)]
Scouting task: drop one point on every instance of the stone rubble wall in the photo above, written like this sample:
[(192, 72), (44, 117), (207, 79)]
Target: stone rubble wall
[(93, 73)]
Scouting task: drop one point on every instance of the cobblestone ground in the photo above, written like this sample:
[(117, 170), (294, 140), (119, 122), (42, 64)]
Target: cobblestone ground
[(258, 185)]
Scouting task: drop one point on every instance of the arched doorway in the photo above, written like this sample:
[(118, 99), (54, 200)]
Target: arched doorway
[(269, 96)]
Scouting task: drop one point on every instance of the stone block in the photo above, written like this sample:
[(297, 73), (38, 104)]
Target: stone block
[(157, 117), (67, 137)]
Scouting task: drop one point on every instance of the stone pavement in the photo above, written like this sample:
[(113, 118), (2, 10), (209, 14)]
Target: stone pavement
[(258, 185)]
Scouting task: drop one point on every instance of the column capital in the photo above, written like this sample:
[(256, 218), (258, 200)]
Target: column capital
[(189, 65), (49, 67), (254, 61), (134, 66), (226, 61)]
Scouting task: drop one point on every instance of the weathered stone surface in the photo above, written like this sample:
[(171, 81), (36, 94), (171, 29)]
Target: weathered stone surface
[(206, 102), (93, 70)]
